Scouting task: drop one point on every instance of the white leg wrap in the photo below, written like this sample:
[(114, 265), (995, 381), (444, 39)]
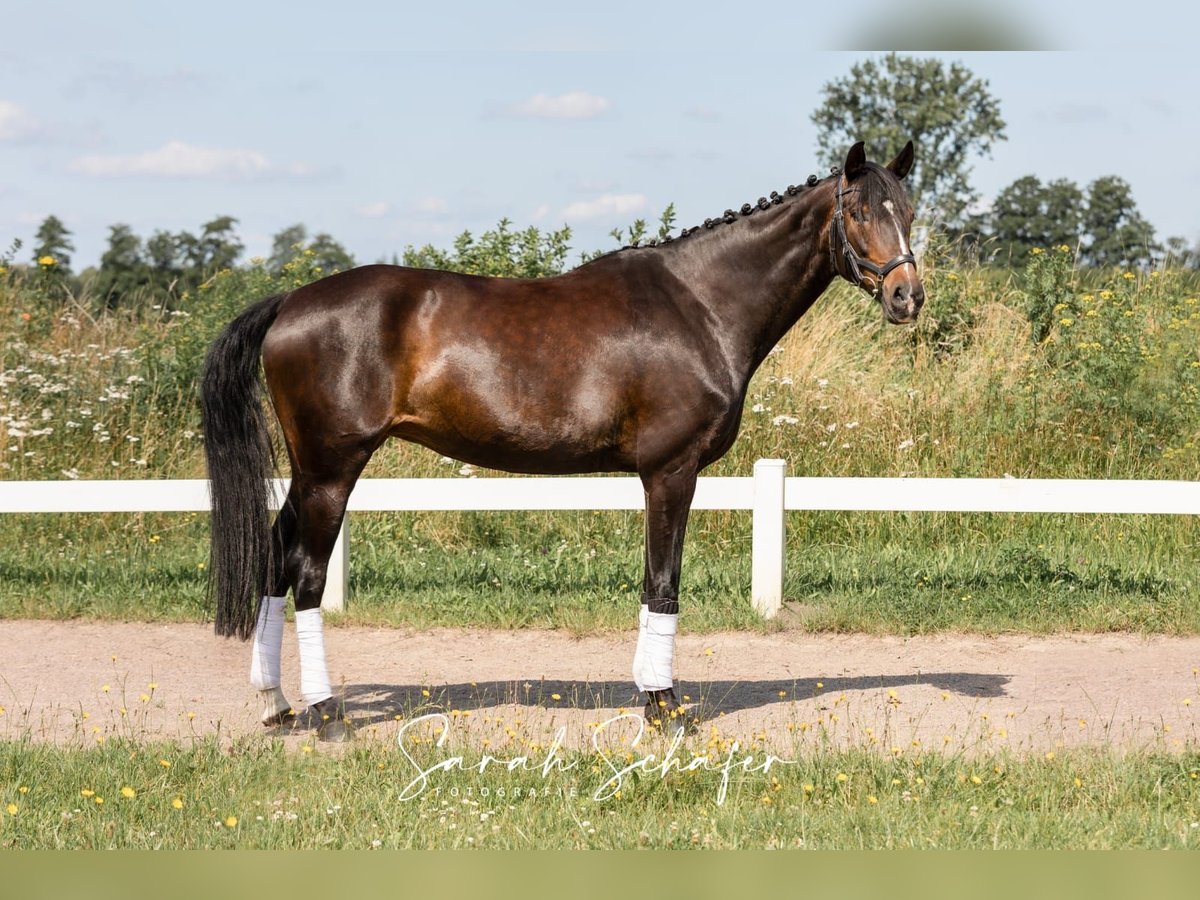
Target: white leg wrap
[(268, 644), (654, 660), (314, 677), (639, 654)]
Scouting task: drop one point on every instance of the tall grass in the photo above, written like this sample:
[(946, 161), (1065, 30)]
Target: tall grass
[(1048, 372)]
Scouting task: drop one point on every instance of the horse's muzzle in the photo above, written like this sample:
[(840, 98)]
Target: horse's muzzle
[(903, 303)]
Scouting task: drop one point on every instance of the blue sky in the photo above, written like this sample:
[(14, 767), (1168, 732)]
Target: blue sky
[(391, 124)]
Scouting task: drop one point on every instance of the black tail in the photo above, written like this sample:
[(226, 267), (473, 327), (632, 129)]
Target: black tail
[(240, 462)]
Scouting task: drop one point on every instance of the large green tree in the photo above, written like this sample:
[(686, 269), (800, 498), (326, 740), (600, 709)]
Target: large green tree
[(948, 113), (1029, 214), (1119, 235)]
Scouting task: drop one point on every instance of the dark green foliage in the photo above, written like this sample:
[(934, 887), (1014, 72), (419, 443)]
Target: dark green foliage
[(326, 254), (499, 252), (1119, 235)]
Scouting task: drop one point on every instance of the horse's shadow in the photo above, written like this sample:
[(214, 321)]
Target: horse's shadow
[(371, 703)]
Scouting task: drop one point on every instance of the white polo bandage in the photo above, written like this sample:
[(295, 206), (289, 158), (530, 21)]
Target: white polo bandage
[(268, 644), (640, 652), (654, 659), (310, 636)]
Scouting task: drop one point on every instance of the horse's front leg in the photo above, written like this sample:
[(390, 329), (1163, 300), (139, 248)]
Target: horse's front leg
[(669, 493)]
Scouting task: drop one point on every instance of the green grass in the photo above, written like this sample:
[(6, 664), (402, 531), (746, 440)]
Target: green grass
[(827, 799), (873, 572)]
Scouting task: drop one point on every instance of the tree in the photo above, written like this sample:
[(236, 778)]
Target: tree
[(53, 240), (1029, 214), (285, 245), (122, 267), (330, 255), (1119, 235), (325, 252), (947, 112), (1181, 255), (215, 249)]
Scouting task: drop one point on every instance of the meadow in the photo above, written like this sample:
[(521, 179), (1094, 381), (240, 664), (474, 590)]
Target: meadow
[(262, 794), (1047, 372), (1051, 371)]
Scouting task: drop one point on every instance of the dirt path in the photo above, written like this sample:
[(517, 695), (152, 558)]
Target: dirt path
[(69, 681)]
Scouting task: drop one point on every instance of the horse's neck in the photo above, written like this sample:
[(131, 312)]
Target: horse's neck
[(756, 284)]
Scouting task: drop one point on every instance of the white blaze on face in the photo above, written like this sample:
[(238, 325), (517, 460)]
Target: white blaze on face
[(891, 208)]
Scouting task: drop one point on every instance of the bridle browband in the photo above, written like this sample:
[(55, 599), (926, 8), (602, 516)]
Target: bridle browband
[(855, 263)]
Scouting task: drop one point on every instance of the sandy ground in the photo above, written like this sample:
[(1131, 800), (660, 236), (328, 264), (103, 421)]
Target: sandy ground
[(75, 682)]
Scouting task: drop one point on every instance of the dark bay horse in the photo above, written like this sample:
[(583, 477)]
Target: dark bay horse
[(637, 361)]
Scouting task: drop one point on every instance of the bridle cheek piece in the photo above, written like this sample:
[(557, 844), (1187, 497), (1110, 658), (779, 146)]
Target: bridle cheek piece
[(855, 264)]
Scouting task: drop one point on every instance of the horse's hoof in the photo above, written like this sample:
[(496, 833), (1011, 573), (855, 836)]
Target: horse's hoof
[(285, 719), (335, 731), (669, 717), (332, 724)]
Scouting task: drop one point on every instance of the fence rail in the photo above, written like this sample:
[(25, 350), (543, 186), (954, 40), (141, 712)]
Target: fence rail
[(768, 494)]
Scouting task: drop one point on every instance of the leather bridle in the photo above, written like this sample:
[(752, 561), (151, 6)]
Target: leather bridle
[(855, 264)]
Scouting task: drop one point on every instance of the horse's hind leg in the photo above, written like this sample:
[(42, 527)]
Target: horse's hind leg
[(265, 667), (320, 505)]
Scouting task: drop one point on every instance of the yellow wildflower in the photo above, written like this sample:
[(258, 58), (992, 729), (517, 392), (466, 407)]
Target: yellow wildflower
[(177, 803), (128, 792), (231, 822), (46, 260)]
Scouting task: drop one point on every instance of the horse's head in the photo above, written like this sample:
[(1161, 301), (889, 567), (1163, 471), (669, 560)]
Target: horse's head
[(869, 233)]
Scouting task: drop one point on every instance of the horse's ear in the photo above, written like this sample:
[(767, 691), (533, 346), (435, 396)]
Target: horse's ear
[(856, 159), (902, 164)]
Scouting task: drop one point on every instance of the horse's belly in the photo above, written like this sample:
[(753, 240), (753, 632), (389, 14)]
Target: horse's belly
[(570, 425)]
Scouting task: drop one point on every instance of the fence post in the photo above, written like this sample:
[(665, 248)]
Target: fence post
[(337, 576), (767, 539)]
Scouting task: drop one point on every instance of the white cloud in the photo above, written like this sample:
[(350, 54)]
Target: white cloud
[(605, 205), (177, 159), (573, 105), (17, 123), (432, 205), (541, 212), (375, 210)]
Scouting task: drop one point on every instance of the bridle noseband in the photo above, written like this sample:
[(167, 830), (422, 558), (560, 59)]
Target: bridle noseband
[(855, 263)]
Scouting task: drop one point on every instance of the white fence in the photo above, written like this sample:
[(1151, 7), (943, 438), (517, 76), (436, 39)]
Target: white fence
[(768, 494)]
